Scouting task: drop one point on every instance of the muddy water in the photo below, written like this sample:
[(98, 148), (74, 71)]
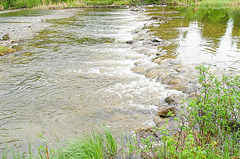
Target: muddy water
[(200, 35), (74, 75)]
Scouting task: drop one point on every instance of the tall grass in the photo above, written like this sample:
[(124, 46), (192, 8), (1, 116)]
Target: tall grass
[(206, 2), (94, 145)]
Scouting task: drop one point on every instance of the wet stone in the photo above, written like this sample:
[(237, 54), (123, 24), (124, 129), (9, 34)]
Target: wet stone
[(164, 112), (172, 99), (129, 42), (157, 60), (139, 70), (6, 37)]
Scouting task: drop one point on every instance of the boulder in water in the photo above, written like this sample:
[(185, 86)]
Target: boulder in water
[(6, 37)]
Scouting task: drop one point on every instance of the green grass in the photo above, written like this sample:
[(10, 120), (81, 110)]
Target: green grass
[(94, 145), (206, 2)]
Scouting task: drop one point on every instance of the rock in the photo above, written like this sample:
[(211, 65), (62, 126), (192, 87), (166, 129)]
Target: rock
[(182, 70), (172, 99), (189, 90), (175, 81), (2, 54), (139, 70), (157, 60), (180, 87), (149, 154), (194, 81), (164, 112), (129, 42), (169, 124), (143, 51), (145, 132), (147, 42), (170, 61), (153, 73), (138, 63), (135, 9), (159, 121), (156, 40), (6, 37), (154, 18)]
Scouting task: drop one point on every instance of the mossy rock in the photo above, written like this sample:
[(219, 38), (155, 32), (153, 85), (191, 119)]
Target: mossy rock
[(9, 51), (2, 48)]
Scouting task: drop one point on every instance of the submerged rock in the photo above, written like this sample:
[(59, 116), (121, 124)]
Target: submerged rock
[(139, 70), (6, 37), (129, 42)]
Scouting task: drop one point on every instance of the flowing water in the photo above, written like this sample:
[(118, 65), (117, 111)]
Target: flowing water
[(74, 74)]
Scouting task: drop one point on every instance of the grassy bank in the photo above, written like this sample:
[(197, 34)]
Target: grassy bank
[(209, 130), (59, 4)]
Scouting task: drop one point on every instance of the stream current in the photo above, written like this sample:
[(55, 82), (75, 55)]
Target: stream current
[(74, 71), (73, 76)]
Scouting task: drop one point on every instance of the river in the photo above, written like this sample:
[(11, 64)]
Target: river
[(74, 74)]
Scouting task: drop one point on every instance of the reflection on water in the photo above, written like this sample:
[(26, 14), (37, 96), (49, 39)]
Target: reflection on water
[(203, 35)]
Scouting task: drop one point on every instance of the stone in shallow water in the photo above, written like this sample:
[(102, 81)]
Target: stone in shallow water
[(6, 37), (172, 99), (157, 60), (139, 70)]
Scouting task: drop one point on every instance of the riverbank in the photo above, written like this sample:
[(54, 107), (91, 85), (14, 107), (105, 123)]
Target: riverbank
[(173, 117), (66, 4)]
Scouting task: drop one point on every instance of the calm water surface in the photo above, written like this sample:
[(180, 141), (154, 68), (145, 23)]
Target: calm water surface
[(200, 35)]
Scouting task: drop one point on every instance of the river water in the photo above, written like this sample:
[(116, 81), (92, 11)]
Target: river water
[(75, 74)]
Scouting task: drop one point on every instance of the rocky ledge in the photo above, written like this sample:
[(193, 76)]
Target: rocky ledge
[(171, 72)]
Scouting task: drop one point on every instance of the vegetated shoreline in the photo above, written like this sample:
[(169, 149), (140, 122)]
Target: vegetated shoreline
[(65, 4)]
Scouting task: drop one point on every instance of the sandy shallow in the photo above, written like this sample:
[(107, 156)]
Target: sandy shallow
[(21, 28)]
